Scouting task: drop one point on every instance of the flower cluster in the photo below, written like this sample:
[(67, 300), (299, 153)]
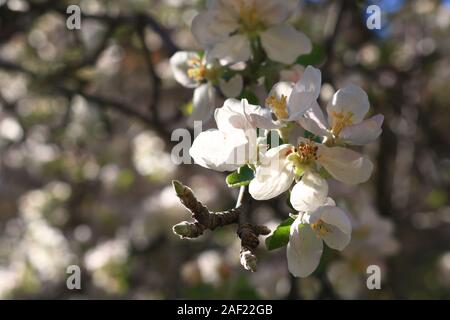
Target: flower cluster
[(301, 169), (236, 34), (286, 144)]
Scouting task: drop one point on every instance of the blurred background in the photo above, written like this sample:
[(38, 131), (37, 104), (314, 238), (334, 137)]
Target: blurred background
[(86, 118)]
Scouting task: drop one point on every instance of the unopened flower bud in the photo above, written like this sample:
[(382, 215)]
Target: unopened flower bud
[(183, 229)]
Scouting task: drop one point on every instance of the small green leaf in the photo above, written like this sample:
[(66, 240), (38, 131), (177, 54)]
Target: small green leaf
[(280, 237), (240, 177), (315, 57)]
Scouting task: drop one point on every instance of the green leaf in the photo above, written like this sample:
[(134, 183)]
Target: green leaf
[(240, 177), (315, 57), (250, 96), (280, 236)]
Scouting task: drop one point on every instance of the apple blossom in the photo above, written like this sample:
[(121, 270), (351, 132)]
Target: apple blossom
[(234, 142), (193, 71), (326, 223), (346, 124), (228, 28), (289, 101), (280, 166)]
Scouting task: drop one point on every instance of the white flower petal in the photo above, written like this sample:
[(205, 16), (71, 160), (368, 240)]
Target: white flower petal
[(241, 115), (349, 99), (364, 132), (231, 116), (280, 89), (284, 43), (233, 49), (305, 93), (179, 66), (203, 103), (259, 117), (274, 176), (345, 165), (304, 250), (212, 26), (340, 227), (236, 116), (314, 121), (233, 87), (275, 11), (309, 193), (217, 150)]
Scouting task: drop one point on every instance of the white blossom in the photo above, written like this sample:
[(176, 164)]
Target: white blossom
[(327, 223), (345, 124), (193, 71), (280, 166), (234, 142), (289, 101), (228, 27)]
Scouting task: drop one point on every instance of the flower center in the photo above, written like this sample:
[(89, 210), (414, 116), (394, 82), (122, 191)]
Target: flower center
[(320, 228), (307, 151), (249, 19), (197, 70), (340, 121), (278, 106)]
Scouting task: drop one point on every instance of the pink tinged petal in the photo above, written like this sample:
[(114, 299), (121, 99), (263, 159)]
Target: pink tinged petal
[(349, 99), (233, 49), (305, 93), (274, 176), (179, 66), (293, 74), (203, 102), (364, 132), (345, 165), (339, 225), (233, 87), (212, 26), (309, 193), (304, 250), (314, 121), (217, 150), (284, 43)]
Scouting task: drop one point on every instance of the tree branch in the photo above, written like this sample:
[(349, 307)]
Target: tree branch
[(207, 220)]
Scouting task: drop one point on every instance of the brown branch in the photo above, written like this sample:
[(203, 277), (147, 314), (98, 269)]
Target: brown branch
[(207, 220)]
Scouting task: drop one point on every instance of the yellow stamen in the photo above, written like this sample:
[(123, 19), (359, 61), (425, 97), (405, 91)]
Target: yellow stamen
[(197, 70), (249, 18), (278, 106), (320, 228), (198, 74), (340, 121), (307, 152)]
